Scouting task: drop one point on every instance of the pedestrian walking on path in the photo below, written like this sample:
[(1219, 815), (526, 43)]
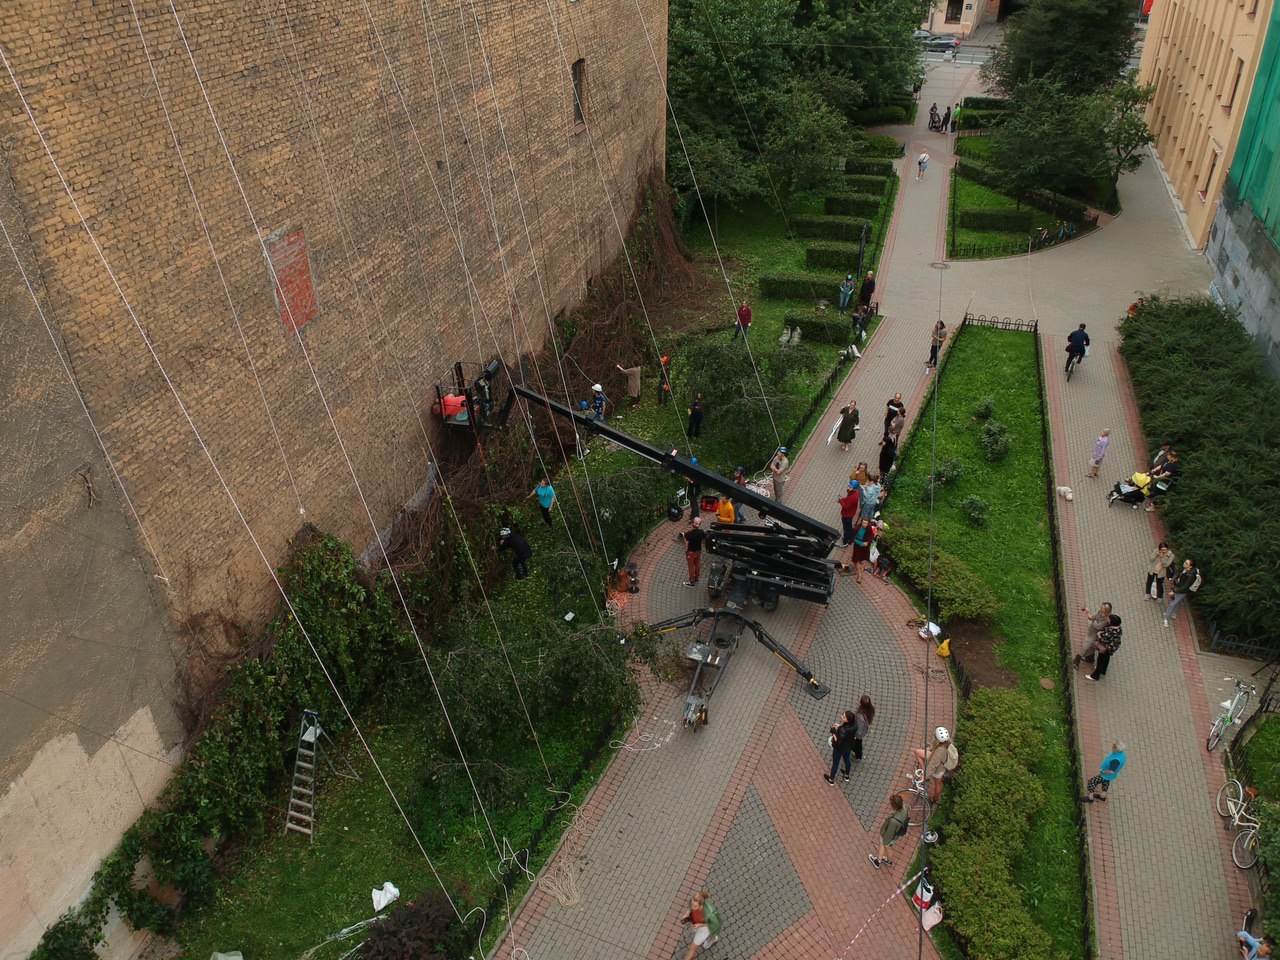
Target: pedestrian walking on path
[(1099, 452), (632, 373), (936, 340), (778, 467), (895, 827), (888, 453), (1098, 622), (693, 538), (1108, 643), (847, 431), (850, 510), (922, 164), (863, 537), (865, 713), (744, 321), (841, 739), (521, 552), (894, 408), (866, 291), (1112, 764), (1186, 582), (695, 417), (1158, 570), (706, 923), (846, 292), (546, 495), (946, 120)]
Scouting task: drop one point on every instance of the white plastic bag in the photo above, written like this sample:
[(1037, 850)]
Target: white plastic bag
[(384, 895)]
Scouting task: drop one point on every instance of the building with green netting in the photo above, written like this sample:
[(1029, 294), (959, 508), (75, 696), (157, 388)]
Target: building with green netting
[(1244, 243)]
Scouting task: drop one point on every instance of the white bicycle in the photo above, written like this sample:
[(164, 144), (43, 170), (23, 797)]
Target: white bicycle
[(1232, 711)]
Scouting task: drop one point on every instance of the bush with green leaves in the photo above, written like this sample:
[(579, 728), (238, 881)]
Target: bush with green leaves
[(869, 167), (986, 218), (880, 145), (997, 799), (975, 510), (971, 119), (424, 929), (799, 286), (1209, 392), (831, 255), (866, 183), (827, 327), (878, 116), (958, 591), (984, 409), (828, 228), (951, 470), (985, 103), (1269, 858), (864, 205), (995, 440)]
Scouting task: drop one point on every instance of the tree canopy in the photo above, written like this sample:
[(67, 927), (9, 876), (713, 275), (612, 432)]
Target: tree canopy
[(1085, 44)]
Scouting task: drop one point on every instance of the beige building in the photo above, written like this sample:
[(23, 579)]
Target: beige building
[(1201, 56), (962, 17)]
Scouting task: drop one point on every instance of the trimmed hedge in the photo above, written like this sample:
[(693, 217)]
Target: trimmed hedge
[(1201, 384), (866, 183), (869, 167), (878, 116), (832, 328), (997, 798), (881, 145), (984, 103), (971, 119), (799, 286), (830, 255), (829, 228), (988, 176), (983, 218), (866, 205), (958, 591)]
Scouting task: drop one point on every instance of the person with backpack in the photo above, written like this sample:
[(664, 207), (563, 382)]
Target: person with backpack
[(1187, 581), (841, 740), (706, 923), (937, 763), (894, 828), (521, 552), (865, 713)]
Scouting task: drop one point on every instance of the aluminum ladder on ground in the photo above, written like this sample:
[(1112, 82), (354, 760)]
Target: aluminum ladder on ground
[(301, 816)]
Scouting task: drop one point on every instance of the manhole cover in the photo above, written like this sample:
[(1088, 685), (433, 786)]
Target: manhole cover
[(940, 265)]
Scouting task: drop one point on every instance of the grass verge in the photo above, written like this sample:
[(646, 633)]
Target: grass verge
[(1012, 554)]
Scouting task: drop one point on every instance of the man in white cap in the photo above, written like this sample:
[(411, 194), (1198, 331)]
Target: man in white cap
[(938, 762), (598, 402)]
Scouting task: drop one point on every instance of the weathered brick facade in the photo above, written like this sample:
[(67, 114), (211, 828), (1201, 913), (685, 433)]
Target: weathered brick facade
[(396, 159)]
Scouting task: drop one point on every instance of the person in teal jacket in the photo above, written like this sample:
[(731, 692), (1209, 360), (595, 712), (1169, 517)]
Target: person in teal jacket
[(1112, 764)]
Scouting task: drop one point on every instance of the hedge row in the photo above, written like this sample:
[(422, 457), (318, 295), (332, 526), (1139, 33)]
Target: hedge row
[(982, 218), (866, 205), (984, 103), (880, 145), (866, 183), (830, 255), (990, 177), (997, 797), (1201, 384), (874, 168), (971, 119), (878, 116), (828, 228), (831, 328), (799, 286), (959, 592)]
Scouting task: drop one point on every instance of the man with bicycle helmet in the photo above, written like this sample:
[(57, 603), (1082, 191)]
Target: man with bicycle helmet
[(938, 762), (1077, 344)]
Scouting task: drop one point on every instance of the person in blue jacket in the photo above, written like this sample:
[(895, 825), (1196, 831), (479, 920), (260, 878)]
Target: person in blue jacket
[(1112, 764)]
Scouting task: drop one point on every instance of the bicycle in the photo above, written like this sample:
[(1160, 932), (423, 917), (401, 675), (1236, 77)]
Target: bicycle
[(1234, 802), (1232, 711), (916, 801), (1072, 360)]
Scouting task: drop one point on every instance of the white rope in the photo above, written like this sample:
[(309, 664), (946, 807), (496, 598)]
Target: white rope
[(146, 339)]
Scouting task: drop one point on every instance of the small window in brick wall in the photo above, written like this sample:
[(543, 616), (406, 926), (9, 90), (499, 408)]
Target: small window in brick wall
[(291, 276)]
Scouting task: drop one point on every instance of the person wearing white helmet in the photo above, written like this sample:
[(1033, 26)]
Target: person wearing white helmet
[(938, 762), (598, 402), (521, 552)]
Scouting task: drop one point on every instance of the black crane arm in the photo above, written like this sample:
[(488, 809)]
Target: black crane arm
[(811, 685), (824, 537)]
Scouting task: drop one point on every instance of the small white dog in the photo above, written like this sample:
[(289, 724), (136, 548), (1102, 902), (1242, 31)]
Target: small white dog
[(1065, 493)]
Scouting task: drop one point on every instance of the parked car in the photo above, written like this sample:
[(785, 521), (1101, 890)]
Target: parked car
[(923, 35), (941, 43)]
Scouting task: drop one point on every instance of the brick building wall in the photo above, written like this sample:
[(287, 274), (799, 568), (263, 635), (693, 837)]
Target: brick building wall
[(375, 143)]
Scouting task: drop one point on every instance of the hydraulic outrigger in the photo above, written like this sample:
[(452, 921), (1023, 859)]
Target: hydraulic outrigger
[(785, 555)]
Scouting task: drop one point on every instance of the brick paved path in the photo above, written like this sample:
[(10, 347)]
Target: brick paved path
[(740, 808)]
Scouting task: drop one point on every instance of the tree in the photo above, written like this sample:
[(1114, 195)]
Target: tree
[(1046, 141), (805, 141), (1082, 43), (867, 41), (1118, 114)]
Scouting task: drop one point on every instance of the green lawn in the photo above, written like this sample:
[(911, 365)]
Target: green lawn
[(1012, 553), (967, 244), (1262, 753)]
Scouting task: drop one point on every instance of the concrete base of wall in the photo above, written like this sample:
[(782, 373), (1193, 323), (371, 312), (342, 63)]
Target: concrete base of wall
[(1246, 275)]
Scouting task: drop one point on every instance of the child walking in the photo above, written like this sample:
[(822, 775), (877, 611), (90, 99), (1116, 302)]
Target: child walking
[(1099, 451)]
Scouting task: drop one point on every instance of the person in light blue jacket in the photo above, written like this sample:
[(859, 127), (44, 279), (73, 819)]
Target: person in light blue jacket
[(1112, 764)]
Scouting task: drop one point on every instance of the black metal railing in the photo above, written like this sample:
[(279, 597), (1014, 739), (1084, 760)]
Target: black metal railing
[(1002, 323)]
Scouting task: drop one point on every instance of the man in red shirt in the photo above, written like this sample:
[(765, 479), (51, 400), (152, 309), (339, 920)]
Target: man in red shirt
[(850, 509), (744, 320)]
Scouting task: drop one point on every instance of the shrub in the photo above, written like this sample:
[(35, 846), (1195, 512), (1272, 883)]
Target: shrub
[(831, 255), (975, 510), (1269, 855), (881, 145), (951, 471), (799, 286), (1225, 414), (958, 591), (873, 168), (999, 722), (985, 103), (866, 183), (984, 409), (828, 228), (971, 119), (981, 218), (864, 205), (995, 440), (878, 116), (816, 328), (422, 930)]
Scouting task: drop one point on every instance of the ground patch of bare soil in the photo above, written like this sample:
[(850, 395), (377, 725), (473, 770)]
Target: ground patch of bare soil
[(973, 648)]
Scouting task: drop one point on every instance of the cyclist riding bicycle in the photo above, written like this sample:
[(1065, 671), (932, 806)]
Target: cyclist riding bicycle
[(1077, 344)]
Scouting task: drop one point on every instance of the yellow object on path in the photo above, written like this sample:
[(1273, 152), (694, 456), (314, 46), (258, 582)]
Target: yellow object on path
[(944, 648)]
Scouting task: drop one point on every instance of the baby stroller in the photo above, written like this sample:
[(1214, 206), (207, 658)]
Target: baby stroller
[(1133, 491)]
